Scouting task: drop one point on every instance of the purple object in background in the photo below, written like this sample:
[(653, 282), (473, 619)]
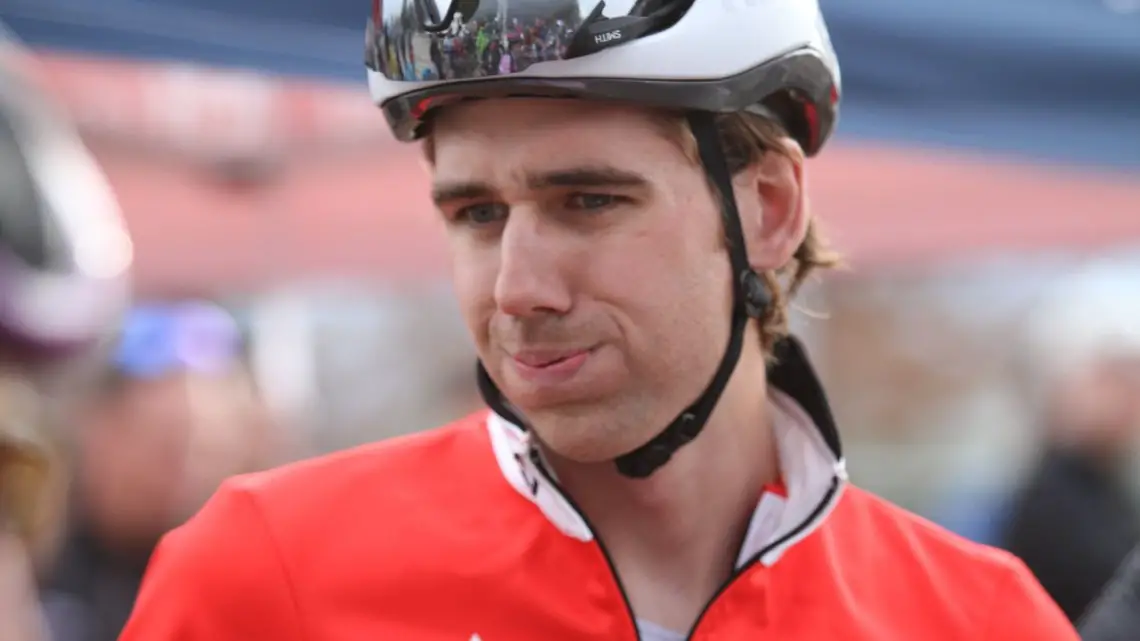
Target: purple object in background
[(194, 336)]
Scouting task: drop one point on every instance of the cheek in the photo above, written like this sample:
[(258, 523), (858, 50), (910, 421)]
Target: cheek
[(473, 275), (670, 290)]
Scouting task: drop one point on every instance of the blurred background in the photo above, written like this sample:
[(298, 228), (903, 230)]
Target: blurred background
[(981, 349)]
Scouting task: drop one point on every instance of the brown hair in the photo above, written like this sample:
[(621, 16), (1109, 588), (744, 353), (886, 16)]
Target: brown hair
[(745, 138), (33, 479)]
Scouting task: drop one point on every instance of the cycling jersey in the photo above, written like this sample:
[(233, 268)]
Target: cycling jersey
[(461, 534)]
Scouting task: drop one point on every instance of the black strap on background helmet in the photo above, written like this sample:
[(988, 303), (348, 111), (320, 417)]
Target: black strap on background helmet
[(751, 299)]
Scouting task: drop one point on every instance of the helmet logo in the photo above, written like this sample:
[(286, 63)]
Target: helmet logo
[(609, 36)]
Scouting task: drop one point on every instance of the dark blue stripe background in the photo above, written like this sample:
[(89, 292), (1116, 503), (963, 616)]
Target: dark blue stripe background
[(1044, 79)]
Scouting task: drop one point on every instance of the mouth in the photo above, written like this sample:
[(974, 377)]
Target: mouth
[(539, 359), (549, 367)]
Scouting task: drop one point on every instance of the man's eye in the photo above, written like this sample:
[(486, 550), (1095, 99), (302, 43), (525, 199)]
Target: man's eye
[(593, 202), (482, 214)]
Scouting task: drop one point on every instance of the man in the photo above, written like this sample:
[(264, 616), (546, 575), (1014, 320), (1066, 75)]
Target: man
[(587, 203), (175, 412), (64, 259), (1116, 615), (1083, 366)]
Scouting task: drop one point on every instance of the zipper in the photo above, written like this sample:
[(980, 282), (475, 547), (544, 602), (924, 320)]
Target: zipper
[(755, 558), (538, 463), (815, 515)]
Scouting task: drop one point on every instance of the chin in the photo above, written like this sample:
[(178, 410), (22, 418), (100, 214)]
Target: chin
[(587, 437)]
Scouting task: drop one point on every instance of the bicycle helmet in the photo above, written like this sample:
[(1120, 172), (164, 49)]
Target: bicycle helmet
[(64, 250)]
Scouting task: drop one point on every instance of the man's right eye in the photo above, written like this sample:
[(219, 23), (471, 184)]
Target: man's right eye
[(482, 214)]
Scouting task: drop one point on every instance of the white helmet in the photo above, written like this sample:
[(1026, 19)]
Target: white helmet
[(65, 254), (1090, 314), (712, 55)]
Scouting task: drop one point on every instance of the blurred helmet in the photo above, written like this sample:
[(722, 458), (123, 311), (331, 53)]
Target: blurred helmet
[(64, 260), (64, 250), (1090, 315), (714, 55)]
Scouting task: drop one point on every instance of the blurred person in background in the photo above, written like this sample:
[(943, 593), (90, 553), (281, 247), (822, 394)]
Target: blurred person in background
[(1076, 517), (64, 265), (178, 411), (1115, 615), (623, 253)]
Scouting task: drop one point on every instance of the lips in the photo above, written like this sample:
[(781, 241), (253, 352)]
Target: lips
[(548, 367), (539, 359)]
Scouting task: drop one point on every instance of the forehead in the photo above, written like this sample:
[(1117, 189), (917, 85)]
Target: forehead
[(533, 134)]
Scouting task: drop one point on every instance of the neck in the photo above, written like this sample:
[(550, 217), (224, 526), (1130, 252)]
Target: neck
[(674, 536)]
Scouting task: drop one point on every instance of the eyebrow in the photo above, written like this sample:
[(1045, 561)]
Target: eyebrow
[(590, 176)]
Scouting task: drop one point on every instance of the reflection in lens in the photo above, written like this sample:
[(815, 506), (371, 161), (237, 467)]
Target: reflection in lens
[(500, 38)]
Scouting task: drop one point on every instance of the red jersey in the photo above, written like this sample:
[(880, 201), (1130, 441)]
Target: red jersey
[(461, 534)]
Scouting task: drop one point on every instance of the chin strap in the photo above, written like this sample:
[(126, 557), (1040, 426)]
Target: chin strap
[(751, 299)]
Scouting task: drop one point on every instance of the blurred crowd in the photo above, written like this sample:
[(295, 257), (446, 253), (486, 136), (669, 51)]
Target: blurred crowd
[(1073, 514), (175, 411), (176, 405)]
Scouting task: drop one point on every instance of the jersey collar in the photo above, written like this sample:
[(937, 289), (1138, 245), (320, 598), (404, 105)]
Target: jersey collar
[(807, 443)]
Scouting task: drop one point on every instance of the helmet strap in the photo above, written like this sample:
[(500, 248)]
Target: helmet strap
[(750, 300)]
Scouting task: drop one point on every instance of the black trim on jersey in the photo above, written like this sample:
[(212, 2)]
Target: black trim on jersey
[(809, 522)]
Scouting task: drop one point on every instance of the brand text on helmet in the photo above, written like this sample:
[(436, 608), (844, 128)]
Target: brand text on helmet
[(608, 36)]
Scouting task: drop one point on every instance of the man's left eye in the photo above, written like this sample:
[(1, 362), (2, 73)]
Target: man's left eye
[(592, 201)]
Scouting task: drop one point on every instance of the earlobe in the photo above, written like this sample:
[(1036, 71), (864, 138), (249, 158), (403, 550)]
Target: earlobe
[(772, 203)]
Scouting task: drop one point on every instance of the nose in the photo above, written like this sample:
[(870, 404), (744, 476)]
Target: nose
[(531, 278)]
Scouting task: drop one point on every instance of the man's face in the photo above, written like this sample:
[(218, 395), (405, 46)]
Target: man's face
[(156, 451), (589, 263), (1099, 404)]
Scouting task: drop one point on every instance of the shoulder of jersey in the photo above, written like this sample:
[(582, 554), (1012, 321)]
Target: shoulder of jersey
[(923, 550), (364, 470)]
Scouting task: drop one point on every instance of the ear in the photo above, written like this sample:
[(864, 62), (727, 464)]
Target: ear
[(771, 199)]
